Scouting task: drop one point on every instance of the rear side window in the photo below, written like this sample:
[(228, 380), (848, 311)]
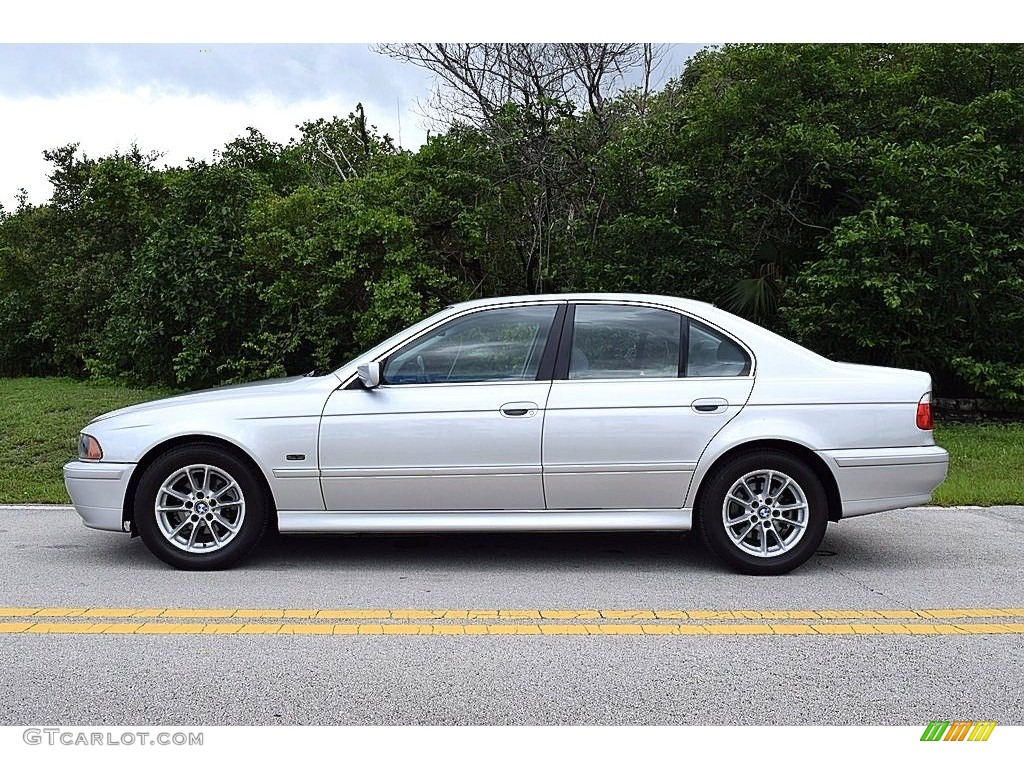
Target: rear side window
[(709, 353), (623, 342)]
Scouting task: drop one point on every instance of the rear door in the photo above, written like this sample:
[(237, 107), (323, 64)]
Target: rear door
[(638, 393)]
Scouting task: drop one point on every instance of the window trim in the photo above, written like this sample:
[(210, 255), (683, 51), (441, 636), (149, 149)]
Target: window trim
[(684, 346), (551, 346), (561, 368)]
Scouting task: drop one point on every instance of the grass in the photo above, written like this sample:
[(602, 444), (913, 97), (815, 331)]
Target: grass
[(39, 424), (40, 420), (986, 464)]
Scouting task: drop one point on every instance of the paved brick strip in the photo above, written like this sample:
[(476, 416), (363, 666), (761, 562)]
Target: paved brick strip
[(142, 621)]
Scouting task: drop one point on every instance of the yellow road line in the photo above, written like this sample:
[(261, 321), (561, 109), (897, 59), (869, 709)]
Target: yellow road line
[(196, 628), (371, 615)]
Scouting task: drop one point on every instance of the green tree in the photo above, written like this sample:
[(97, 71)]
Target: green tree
[(184, 306), (335, 269)]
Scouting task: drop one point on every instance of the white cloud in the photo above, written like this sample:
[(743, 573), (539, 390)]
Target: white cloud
[(179, 124), (171, 99)]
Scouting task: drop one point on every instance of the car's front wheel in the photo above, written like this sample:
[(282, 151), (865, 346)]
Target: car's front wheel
[(763, 512), (199, 507)]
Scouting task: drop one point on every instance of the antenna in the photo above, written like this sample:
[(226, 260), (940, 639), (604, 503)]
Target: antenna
[(398, 111)]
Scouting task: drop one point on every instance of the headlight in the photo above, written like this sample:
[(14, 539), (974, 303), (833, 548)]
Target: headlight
[(89, 447)]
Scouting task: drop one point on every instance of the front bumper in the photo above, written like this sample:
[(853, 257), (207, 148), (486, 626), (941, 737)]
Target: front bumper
[(877, 479), (97, 490)]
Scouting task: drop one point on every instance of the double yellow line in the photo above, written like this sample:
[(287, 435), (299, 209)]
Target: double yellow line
[(285, 621)]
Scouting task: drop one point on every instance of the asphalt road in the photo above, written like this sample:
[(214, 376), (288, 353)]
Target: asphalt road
[(905, 653)]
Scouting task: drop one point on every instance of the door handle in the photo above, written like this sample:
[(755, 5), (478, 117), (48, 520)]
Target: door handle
[(522, 410), (710, 405)]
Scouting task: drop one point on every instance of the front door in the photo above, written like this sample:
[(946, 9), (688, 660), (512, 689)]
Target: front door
[(455, 425)]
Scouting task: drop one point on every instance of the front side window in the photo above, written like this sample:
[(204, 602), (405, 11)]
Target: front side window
[(493, 345), (622, 342)]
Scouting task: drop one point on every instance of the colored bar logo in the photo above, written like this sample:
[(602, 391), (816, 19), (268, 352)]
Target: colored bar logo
[(958, 730)]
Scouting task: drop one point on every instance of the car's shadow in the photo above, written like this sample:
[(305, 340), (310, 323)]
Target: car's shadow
[(478, 552), (843, 547), (847, 547), (647, 551), (484, 551)]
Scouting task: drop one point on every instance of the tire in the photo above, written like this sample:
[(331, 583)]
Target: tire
[(199, 507), (758, 533)]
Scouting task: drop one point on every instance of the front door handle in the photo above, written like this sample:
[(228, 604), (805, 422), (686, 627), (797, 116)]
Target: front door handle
[(710, 405), (522, 410)]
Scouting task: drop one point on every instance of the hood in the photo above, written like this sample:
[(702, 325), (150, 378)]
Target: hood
[(231, 392)]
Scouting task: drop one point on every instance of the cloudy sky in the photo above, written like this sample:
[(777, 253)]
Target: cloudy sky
[(188, 100)]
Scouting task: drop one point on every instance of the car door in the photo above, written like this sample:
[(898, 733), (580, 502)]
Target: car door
[(455, 424), (638, 393)]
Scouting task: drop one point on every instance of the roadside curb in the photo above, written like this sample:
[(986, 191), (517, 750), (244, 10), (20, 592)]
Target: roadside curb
[(54, 507), (933, 507)]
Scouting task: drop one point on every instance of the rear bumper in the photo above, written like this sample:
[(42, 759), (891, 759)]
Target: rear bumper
[(877, 479), (97, 490)]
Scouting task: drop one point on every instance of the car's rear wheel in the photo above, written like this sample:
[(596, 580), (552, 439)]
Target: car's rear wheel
[(199, 507), (763, 512)]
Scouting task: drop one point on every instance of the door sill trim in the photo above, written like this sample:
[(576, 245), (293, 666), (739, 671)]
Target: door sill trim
[(298, 521)]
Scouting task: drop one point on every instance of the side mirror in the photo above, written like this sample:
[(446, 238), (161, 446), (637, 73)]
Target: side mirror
[(369, 374)]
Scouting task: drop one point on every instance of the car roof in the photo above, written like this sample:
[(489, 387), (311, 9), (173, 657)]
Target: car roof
[(646, 298), (775, 353)]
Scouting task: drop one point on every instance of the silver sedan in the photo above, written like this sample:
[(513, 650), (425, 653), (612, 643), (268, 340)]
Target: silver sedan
[(536, 413)]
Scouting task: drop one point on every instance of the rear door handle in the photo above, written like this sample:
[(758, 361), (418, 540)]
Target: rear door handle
[(522, 410), (710, 405)]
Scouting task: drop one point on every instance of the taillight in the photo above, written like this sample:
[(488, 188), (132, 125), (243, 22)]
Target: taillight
[(924, 413)]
